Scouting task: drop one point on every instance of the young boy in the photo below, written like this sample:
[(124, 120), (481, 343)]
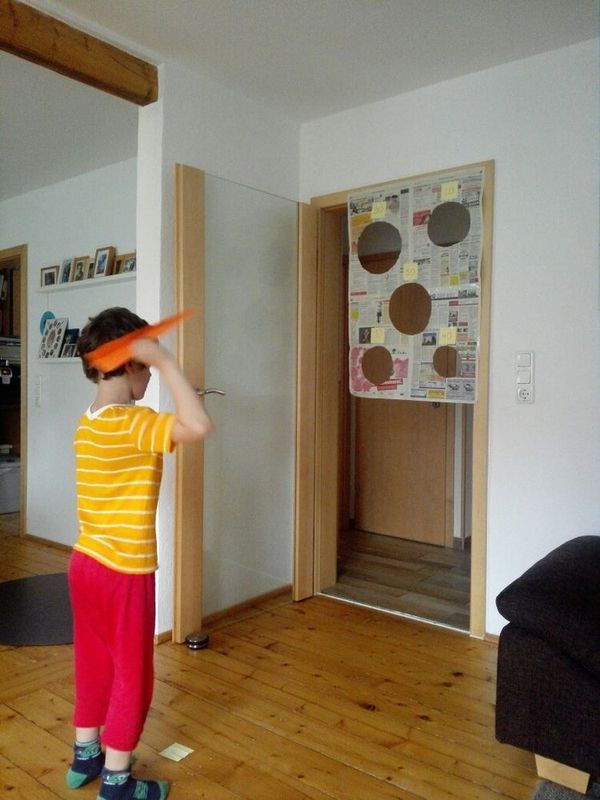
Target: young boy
[(118, 453)]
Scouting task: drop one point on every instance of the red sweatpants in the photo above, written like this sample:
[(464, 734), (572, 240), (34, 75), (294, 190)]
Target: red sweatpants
[(113, 630)]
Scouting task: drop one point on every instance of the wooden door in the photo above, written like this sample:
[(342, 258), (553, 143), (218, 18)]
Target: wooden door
[(404, 469)]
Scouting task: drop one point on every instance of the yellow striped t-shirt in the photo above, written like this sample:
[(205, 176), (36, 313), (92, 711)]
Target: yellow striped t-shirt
[(118, 462)]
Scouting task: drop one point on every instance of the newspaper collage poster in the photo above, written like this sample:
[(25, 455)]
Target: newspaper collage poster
[(414, 288)]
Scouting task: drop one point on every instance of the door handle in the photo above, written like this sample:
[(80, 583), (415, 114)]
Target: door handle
[(203, 392)]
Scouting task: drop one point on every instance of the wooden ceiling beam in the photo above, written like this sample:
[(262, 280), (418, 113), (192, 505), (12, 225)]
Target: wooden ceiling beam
[(44, 40)]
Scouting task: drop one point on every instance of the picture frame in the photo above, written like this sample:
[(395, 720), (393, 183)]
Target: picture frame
[(49, 276), (66, 268), (79, 271), (104, 261), (128, 263), (69, 345), (118, 265), (52, 338), (90, 271), (69, 351)]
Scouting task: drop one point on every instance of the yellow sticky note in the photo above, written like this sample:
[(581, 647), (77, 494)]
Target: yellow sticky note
[(378, 210), (436, 394), (447, 336), (454, 280), (449, 191), (377, 335), (354, 314), (176, 751), (410, 270)]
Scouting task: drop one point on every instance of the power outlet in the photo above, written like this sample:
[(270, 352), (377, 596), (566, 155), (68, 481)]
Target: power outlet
[(524, 394)]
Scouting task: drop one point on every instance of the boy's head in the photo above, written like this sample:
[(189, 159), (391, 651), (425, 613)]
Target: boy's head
[(104, 327)]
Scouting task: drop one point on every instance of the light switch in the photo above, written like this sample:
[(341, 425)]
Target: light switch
[(524, 376), (38, 391)]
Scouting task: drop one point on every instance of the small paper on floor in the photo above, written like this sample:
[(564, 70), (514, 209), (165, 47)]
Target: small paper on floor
[(176, 751)]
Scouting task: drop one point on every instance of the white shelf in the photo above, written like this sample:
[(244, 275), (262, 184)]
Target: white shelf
[(86, 284), (75, 360)]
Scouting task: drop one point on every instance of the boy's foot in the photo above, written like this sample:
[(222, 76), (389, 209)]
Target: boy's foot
[(88, 760), (121, 786)]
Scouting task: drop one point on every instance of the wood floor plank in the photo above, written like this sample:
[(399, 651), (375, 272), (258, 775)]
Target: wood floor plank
[(382, 656), (358, 753), (294, 756), (34, 751), (457, 755), (326, 686), (318, 700), (400, 575), (17, 784)]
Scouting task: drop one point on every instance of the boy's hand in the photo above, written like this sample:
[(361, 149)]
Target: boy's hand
[(149, 352), (192, 423)]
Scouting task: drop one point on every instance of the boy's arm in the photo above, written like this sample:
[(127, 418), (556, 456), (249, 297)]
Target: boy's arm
[(191, 420)]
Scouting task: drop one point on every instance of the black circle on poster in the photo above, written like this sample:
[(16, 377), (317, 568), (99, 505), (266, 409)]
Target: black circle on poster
[(446, 361), (448, 224), (379, 247), (410, 308), (377, 365)]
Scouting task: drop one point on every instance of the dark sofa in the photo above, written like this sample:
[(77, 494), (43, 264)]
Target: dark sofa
[(548, 682)]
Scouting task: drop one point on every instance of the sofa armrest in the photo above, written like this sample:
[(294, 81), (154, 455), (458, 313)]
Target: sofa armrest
[(558, 600)]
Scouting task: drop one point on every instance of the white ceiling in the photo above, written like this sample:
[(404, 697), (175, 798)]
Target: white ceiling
[(305, 58)]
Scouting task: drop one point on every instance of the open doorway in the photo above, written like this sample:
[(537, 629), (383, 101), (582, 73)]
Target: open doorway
[(52, 199), (319, 452), (13, 291), (403, 539)]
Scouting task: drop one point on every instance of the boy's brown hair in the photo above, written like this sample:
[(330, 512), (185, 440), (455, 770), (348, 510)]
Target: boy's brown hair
[(104, 327)]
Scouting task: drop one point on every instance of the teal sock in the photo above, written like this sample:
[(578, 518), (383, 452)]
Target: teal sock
[(121, 786), (88, 760)]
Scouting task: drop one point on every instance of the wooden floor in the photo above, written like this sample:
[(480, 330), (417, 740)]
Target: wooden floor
[(425, 581), (318, 699)]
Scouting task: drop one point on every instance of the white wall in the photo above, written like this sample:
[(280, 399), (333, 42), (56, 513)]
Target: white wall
[(202, 124), (71, 218), (538, 119)]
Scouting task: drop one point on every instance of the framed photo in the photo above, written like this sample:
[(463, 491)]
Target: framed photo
[(69, 351), (52, 338), (90, 270), (103, 262), (129, 262), (66, 267), (118, 265), (69, 345), (49, 276), (80, 268)]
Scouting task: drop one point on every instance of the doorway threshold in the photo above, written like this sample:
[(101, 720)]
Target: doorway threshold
[(393, 612)]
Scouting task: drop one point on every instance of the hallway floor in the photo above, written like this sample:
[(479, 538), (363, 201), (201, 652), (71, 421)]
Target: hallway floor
[(9, 524), (424, 581)]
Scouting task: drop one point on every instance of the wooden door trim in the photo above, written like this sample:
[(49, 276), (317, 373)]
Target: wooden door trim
[(323, 479), (28, 33), (9, 254), (189, 459), (449, 470), (479, 487), (304, 494)]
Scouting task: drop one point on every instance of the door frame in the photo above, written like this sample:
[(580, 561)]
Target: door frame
[(317, 438), (189, 459), (19, 253)]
